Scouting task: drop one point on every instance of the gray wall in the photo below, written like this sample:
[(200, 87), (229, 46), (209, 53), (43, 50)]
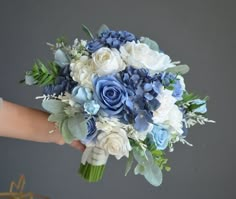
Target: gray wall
[(200, 33)]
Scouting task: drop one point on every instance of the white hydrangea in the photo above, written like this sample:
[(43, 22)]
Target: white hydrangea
[(168, 113), (82, 71)]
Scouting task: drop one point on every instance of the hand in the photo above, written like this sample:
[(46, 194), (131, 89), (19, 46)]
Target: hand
[(78, 145)]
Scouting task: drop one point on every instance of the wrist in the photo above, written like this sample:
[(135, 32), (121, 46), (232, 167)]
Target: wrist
[(57, 137)]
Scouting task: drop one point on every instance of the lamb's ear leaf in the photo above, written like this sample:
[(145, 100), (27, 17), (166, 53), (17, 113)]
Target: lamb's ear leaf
[(53, 106), (179, 69), (66, 134), (151, 43), (102, 29), (78, 126)]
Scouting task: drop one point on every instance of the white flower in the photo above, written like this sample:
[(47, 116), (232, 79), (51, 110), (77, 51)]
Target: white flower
[(113, 139), (168, 113), (107, 61), (175, 120), (181, 81), (140, 55), (82, 71), (167, 102)]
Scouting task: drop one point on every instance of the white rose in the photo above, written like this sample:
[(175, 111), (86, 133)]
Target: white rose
[(141, 55), (82, 71), (107, 61), (115, 142)]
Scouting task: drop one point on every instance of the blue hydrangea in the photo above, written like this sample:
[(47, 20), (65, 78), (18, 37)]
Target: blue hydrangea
[(170, 79), (110, 39), (142, 92), (64, 83)]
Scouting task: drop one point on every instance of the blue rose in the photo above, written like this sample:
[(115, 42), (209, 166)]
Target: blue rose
[(160, 137), (94, 45), (92, 131), (202, 106), (110, 94), (81, 94)]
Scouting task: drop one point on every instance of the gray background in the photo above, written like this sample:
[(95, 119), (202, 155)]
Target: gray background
[(199, 33)]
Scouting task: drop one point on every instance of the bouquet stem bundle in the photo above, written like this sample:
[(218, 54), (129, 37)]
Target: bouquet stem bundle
[(90, 172)]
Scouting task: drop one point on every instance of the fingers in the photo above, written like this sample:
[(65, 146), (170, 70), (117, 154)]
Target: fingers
[(78, 145)]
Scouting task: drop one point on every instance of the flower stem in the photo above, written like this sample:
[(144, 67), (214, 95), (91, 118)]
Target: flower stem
[(90, 172)]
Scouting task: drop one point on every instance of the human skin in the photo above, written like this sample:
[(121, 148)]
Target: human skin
[(29, 124)]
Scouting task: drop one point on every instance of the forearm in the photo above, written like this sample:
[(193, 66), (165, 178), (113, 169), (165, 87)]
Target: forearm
[(27, 123)]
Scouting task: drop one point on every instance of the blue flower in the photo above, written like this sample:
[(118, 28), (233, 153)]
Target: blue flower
[(202, 106), (63, 83), (142, 92), (110, 39), (159, 136), (170, 79), (94, 45), (91, 107), (92, 131), (110, 94), (81, 94)]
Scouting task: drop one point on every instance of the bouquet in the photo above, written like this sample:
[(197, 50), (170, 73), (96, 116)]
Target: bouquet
[(120, 95)]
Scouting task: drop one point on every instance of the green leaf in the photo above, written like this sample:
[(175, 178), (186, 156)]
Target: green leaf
[(87, 31), (139, 169), (167, 168), (129, 163), (153, 175), (152, 44), (78, 126), (66, 134), (148, 168), (102, 29), (58, 118), (157, 152), (53, 106), (179, 69)]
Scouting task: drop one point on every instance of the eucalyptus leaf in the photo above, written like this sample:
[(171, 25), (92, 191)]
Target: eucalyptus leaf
[(139, 169), (129, 163), (153, 174), (102, 29), (53, 106), (61, 58), (66, 134), (78, 126), (152, 44), (87, 31), (179, 69), (148, 168)]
